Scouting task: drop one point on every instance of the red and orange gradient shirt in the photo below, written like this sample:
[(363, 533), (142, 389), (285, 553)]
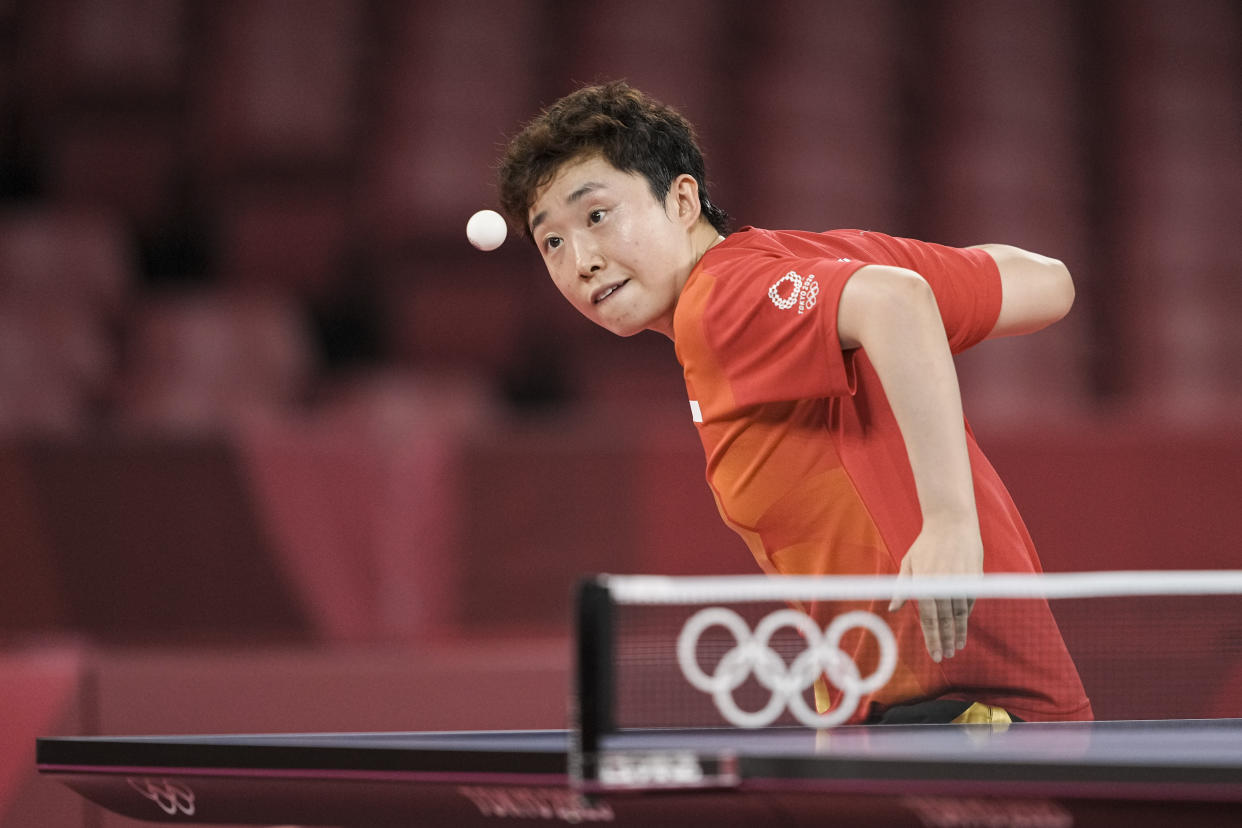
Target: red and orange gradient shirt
[(807, 465)]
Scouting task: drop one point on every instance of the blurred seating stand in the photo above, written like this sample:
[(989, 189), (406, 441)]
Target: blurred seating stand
[(1180, 107), (65, 275), (273, 136), (362, 502), (275, 84), (824, 121), (55, 370), (100, 93), (1003, 168), (455, 80), (57, 257), (204, 363)]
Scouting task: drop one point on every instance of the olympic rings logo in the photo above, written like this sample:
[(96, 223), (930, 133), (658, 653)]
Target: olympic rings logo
[(171, 797), (787, 683)]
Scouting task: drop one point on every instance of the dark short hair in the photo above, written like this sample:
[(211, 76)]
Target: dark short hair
[(632, 131)]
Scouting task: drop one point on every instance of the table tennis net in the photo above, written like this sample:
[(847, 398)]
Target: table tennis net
[(744, 652)]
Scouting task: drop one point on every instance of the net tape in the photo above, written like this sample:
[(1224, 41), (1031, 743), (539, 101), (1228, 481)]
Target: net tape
[(659, 589)]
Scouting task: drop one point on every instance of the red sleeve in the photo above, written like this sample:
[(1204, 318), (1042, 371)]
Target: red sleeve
[(966, 283), (773, 327), (771, 320)]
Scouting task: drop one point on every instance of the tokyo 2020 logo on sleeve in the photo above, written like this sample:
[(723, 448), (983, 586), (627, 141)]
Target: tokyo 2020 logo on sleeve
[(794, 290)]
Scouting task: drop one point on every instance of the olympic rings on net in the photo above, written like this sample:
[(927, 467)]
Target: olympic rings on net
[(753, 655)]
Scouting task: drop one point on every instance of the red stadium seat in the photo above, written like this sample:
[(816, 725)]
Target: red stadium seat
[(198, 363), (63, 257), (55, 365)]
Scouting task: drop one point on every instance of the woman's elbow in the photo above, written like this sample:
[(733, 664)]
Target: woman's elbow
[(1036, 291), (1062, 291)]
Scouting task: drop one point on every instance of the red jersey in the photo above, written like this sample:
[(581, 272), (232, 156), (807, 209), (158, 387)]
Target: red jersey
[(807, 464)]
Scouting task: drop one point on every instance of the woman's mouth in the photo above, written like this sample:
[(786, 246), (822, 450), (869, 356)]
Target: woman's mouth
[(607, 291)]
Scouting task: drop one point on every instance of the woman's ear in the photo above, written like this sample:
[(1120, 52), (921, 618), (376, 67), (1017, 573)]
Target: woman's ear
[(684, 195)]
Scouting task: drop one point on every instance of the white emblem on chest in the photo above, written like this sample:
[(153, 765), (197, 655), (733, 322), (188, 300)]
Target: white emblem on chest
[(794, 290)]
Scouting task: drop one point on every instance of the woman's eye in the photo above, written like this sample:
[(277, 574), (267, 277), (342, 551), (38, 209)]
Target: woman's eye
[(553, 242), (596, 216)]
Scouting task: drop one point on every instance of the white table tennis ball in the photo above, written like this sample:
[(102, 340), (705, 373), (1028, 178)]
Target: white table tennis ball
[(486, 230)]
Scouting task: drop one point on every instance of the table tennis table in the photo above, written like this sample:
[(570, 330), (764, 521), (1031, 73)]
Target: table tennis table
[(1131, 773)]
